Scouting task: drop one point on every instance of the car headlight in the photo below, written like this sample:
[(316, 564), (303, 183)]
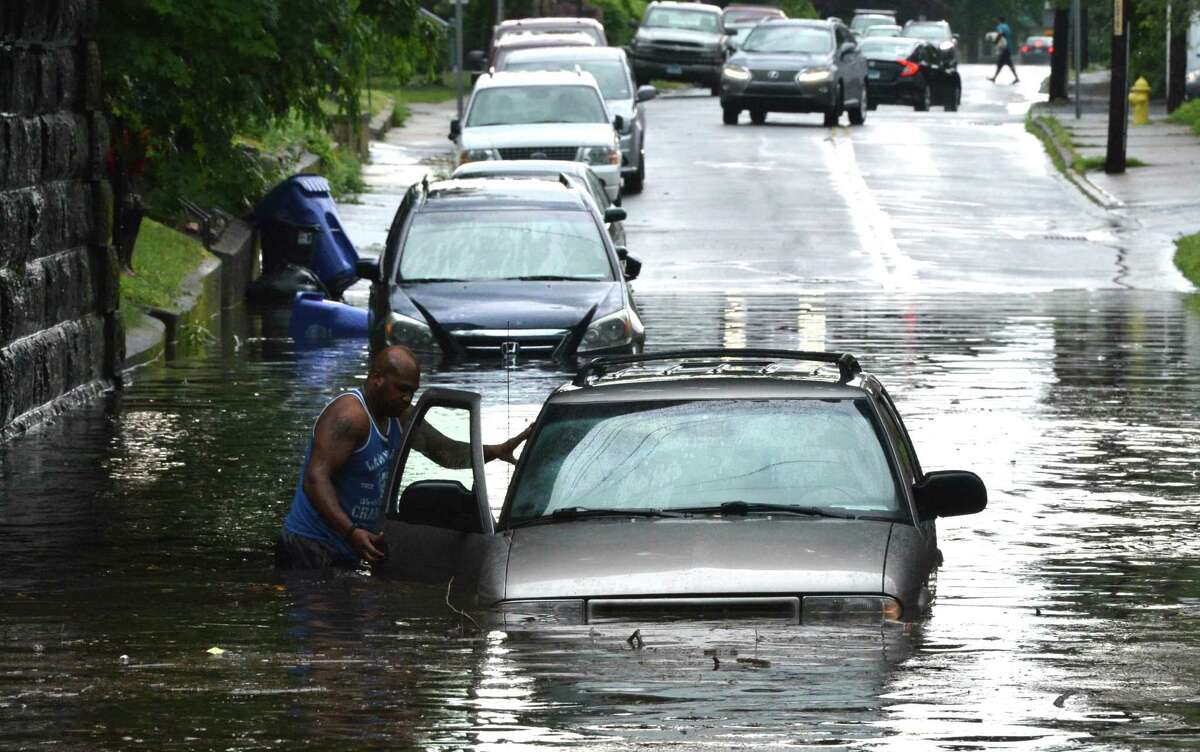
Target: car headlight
[(736, 73), (477, 155), (567, 611), (598, 155), (613, 330), (405, 330), (1193, 76), (814, 75), (843, 608), (946, 45)]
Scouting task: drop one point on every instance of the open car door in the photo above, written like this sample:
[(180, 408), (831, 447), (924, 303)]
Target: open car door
[(438, 522)]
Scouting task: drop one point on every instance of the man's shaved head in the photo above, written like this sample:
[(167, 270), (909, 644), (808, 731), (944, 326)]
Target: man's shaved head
[(396, 360)]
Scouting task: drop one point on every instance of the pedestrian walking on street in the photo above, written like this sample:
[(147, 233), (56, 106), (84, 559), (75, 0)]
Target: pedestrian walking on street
[(337, 508), (1004, 48)]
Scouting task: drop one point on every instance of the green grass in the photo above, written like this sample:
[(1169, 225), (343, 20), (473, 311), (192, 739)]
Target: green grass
[(162, 258), (1079, 163), (1187, 257), (1188, 114), (663, 85)]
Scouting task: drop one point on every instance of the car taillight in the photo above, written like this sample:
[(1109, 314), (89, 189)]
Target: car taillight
[(910, 68), (1051, 49), (1025, 48)]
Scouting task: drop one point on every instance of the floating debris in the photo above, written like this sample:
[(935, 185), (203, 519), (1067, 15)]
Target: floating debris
[(635, 640)]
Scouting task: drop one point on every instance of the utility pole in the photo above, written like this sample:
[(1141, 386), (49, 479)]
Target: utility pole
[(1118, 101), (458, 54), (1077, 38)]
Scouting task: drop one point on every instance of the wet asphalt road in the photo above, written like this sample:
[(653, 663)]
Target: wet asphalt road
[(135, 533)]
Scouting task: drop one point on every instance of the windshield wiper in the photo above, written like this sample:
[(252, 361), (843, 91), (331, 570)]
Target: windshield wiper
[(568, 514), (548, 278), (743, 508)]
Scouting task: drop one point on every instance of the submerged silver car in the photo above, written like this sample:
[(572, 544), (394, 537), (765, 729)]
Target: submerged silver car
[(730, 484)]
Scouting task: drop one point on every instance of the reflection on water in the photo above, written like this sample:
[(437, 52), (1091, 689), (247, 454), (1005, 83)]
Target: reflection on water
[(136, 536)]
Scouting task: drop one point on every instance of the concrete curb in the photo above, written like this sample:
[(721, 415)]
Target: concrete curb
[(1094, 192), (382, 123)]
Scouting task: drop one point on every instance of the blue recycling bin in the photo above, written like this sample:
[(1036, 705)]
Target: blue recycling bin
[(316, 320), (299, 226)]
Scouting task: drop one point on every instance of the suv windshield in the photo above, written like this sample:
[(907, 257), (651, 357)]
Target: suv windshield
[(929, 32), (519, 105), (703, 453), (859, 23), (512, 244), (609, 74), (792, 39), (671, 18)]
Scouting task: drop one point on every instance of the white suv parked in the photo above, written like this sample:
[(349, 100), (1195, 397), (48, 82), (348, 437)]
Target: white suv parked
[(541, 115)]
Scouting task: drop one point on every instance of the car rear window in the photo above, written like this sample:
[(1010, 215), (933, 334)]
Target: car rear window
[(788, 39), (930, 32), (504, 244), (678, 454), (609, 74), (858, 23), (885, 48), (522, 105)]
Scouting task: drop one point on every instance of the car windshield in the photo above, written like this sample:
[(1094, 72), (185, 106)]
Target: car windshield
[(931, 32), (609, 74), (520, 105), (667, 455), (882, 31), (864, 22), (742, 19), (672, 18), (496, 244), (886, 49), (1039, 41), (792, 39)]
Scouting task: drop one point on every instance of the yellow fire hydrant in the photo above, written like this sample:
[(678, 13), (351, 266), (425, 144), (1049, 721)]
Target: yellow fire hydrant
[(1139, 99)]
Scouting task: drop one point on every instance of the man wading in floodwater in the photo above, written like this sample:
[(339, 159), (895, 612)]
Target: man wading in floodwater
[(338, 505)]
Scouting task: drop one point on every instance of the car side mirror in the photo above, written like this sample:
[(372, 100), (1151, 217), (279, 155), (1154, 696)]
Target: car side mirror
[(630, 265), (646, 93), (949, 493), (614, 214), (475, 60), (455, 129), (367, 269), (618, 123)]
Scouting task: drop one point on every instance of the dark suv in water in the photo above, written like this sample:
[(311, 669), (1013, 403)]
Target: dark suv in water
[(719, 484), (481, 269), (679, 42)]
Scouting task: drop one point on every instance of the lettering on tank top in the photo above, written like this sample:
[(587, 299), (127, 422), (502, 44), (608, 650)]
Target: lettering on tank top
[(377, 461)]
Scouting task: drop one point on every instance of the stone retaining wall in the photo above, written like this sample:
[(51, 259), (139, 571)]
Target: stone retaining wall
[(60, 335)]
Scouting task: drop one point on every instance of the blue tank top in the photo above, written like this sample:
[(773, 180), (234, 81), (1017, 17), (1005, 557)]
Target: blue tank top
[(360, 484)]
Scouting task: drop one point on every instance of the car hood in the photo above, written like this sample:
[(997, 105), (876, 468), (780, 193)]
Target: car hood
[(707, 38), (668, 557), (537, 134), (775, 61), (506, 304)]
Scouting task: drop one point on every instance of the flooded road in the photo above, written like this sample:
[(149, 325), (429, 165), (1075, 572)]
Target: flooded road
[(139, 608), (136, 537)]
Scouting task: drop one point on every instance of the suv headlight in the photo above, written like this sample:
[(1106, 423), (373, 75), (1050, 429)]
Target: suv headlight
[(946, 45), (814, 75), (477, 155), (736, 73), (598, 155), (843, 608), (613, 330), (404, 330)]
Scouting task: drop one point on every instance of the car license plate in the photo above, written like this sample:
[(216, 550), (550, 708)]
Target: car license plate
[(674, 70), (872, 74)]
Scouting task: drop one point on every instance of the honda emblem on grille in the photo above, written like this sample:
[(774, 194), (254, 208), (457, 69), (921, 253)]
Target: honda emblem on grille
[(508, 353), (537, 155), (773, 74)]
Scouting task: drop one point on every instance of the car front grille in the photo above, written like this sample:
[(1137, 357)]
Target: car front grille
[(488, 342), (779, 609), (677, 52), (566, 153), (781, 76)]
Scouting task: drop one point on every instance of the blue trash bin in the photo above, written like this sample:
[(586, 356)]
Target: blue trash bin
[(316, 320), (299, 226)]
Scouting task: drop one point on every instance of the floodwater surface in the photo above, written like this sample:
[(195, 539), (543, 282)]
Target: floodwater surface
[(136, 539)]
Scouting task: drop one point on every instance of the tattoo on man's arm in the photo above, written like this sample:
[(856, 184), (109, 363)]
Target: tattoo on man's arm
[(343, 429)]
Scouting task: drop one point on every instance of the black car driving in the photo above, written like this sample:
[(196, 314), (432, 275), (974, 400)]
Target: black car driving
[(910, 72), (937, 33), (503, 268)]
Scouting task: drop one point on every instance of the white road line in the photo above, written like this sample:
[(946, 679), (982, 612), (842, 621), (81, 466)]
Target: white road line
[(893, 269)]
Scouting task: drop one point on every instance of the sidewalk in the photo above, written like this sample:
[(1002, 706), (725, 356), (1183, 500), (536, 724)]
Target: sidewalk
[(1154, 204)]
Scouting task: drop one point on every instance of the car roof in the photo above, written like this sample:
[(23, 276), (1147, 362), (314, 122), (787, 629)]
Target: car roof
[(718, 374), (475, 194), (818, 23), (686, 6), (926, 23), (501, 79), (769, 10), (522, 167), (565, 39), (567, 54), (534, 23)]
